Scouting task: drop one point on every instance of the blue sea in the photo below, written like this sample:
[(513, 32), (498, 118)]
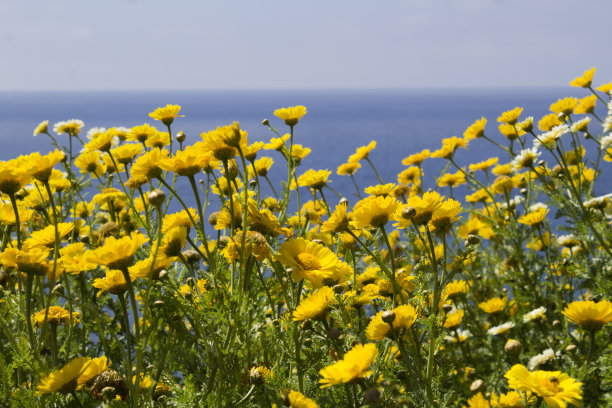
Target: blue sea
[(338, 121)]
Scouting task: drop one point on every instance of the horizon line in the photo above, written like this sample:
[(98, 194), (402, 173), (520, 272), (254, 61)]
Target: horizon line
[(298, 89)]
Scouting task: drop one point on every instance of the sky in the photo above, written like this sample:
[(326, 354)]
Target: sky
[(308, 44)]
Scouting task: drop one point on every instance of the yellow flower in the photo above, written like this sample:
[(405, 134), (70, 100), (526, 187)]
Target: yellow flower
[(348, 168), (57, 315), (548, 122), (166, 114), (91, 369), (89, 162), (260, 374), (39, 166), (298, 400), (298, 153), (255, 245), (557, 389), (418, 210), (511, 116), (456, 288), (374, 212), (449, 146), (354, 365), (315, 306), (606, 88), (417, 158), (512, 399), (179, 219), (103, 142), (585, 80), (190, 161), (453, 319), (46, 237), (64, 380), (475, 130), (475, 226), (409, 175), (291, 115), (338, 221), (494, 305), (309, 260), (34, 261), (117, 253), (445, 215), (277, 143), (12, 176), (72, 127), (484, 165), (316, 179), (510, 131), (380, 190), (564, 106), (158, 140), (262, 166), (586, 105), (451, 179), (588, 314), (73, 258), (362, 152), (42, 127), (113, 282), (141, 133), (404, 317), (477, 401), (147, 166), (126, 153), (534, 218)]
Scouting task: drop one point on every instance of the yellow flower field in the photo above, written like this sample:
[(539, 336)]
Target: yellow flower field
[(118, 291)]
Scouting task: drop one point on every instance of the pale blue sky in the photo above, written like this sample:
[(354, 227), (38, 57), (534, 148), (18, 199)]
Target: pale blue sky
[(285, 44)]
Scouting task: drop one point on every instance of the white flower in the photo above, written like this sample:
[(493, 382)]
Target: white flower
[(534, 314), (501, 329), (462, 334), (549, 139), (567, 240), (94, 132), (606, 141), (536, 206), (537, 360), (72, 126), (526, 158), (580, 124)]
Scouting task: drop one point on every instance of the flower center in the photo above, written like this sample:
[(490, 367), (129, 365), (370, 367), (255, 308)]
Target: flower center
[(308, 261)]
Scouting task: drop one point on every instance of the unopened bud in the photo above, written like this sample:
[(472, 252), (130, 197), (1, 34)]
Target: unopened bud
[(388, 316), (409, 213), (338, 289), (162, 274), (371, 395), (447, 308), (265, 122), (556, 323), (334, 333), (571, 348), (253, 183), (191, 256), (180, 136), (513, 347), (213, 218), (343, 200), (524, 191), (473, 239), (157, 197), (476, 385)]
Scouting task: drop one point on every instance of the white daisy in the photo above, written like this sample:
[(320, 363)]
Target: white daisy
[(501, 329), (534, 314), (539, 359)]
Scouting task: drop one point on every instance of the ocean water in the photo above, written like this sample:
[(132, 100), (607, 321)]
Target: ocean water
[(338, 121)]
